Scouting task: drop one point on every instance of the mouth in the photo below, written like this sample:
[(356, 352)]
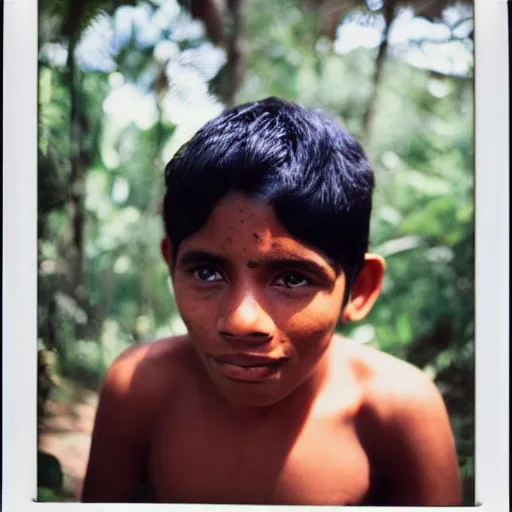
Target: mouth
[(248, 367)]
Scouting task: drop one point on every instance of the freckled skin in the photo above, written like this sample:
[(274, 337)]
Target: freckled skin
[(300, 321), (338, 423)]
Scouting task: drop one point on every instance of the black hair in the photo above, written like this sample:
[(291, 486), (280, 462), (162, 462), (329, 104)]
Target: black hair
[(311, 170)]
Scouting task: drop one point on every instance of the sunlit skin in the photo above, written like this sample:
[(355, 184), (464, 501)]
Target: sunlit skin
[(261, 403), (255, 290)]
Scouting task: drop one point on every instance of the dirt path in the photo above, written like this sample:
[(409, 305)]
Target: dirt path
[(66, 434)]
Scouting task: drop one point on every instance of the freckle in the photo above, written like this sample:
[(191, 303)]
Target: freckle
[(256, 236), (244, 249), (241, 222)]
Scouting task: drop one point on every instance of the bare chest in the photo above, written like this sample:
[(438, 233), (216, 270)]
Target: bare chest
[(206, 460)]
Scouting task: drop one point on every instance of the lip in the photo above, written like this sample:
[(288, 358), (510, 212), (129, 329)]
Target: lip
[(245, 359), (249, 368)]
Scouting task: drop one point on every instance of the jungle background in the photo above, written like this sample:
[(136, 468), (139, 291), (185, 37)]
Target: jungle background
[(122, 84)]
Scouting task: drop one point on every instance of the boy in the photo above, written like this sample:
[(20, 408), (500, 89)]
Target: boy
[(267, 215)]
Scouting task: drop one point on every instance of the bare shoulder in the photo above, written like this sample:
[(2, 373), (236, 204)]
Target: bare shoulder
[(404, 425), (150, 369), (389, 384), (137, 383)]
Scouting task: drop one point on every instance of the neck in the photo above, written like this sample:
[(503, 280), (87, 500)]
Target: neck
[(299, 402)]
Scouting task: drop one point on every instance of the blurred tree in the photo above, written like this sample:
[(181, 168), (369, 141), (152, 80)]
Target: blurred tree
[(122, 85)]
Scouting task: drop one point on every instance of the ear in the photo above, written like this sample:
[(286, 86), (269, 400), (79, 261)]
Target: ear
[(366, 289), (167, 255)]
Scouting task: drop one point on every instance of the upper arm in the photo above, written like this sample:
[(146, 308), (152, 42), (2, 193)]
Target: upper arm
[(117, 448), (420, 465)]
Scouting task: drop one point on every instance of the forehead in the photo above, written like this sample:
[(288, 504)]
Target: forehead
[(243, 226), (241, 215)]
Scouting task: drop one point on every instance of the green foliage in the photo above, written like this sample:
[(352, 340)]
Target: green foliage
[(70, 19), (49, 495), (49, 473)]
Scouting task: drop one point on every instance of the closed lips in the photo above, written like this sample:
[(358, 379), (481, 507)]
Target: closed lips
[(246, 361), (246, 368)]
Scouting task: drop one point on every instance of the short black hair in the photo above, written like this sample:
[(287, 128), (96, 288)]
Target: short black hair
[(311, 170)]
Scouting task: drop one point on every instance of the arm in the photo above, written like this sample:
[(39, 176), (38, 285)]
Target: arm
[(420, 463), (117, 453)]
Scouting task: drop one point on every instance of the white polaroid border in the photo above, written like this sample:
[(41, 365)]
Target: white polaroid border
[(19, 266), (492, 269)]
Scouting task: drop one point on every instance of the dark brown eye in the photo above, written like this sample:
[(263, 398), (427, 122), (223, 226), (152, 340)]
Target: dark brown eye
[(292, 280), (207, 274)]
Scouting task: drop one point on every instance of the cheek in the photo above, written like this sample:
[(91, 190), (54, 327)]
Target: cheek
[(308, 330), (313, 326), (194, 314), (322, 313)]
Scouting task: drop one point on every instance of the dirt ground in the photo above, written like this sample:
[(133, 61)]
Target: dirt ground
[(66, 434)]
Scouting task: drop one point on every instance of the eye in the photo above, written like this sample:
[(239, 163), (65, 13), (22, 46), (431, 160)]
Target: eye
[(206, 274), (292, 280)]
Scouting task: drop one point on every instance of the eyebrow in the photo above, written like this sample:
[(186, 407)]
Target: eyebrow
[(197, 257), (298, 263)]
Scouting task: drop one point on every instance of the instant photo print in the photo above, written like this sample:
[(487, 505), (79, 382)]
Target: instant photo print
[(255, 254)]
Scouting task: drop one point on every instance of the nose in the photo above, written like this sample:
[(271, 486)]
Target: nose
[(244, 318)]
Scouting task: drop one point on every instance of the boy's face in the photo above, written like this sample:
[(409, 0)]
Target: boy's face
[(260, 306)]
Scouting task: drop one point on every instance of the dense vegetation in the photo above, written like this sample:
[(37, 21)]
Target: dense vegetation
[(123, 84)]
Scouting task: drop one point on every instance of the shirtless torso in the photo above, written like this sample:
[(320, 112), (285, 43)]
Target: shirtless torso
[(161, 421)]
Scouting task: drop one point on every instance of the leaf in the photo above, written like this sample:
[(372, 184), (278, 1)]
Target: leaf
[(49, 473)]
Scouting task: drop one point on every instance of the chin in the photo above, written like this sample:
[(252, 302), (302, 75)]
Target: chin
[(251, 394), (244, 398)]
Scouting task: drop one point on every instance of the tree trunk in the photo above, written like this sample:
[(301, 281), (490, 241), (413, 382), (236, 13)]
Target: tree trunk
[(234, 69), (389, 11), (211, 12), (76, 179)]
